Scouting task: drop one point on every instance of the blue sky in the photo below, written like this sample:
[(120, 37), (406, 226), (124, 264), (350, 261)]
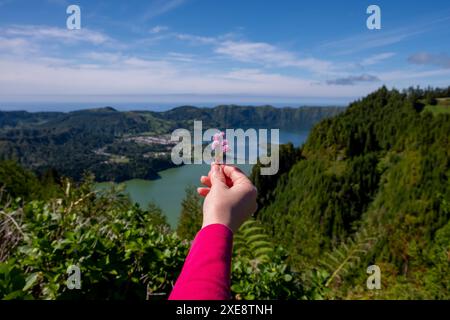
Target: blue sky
[(223, 51)]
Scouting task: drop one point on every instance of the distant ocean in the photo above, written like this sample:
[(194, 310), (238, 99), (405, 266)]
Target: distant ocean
[(151, 106)]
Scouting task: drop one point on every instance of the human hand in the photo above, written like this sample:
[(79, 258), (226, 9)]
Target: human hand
[(230, 197)]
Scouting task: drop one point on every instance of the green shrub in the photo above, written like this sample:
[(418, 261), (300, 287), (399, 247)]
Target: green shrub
[(120, 250)]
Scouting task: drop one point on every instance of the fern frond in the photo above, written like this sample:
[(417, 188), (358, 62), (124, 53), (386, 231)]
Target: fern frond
[(253, 242), (343, 259)]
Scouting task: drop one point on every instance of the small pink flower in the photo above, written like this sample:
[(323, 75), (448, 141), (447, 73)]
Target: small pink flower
[(220, 146)]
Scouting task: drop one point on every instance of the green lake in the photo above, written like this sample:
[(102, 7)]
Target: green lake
[(168, 191)]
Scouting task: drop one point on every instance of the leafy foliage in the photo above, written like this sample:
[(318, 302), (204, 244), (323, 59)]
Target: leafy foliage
[(270, 278), (253, 242), (347, 256), (190, 220), (259, 270), (121, 250)]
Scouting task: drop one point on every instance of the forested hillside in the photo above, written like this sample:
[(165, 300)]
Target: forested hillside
[(117, 146), (382, 169), (232, 116), (369, 187)]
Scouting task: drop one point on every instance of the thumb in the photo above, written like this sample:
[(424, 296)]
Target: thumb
[(217, 176)]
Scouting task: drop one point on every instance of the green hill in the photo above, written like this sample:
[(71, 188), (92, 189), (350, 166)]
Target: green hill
[(382, 167), (232, 116), (104, 141)]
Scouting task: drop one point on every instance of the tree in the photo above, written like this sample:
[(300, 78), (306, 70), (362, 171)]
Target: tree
[(191, 215)]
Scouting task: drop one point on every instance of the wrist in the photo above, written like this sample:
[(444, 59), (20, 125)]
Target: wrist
[(218, 219), (217, 224)]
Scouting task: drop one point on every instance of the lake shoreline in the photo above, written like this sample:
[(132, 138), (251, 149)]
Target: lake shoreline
[(168, 191)]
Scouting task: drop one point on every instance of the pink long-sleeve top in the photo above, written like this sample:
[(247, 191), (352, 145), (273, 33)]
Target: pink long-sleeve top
[(206, 271)]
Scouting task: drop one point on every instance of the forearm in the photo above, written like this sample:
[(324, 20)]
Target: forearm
[(206, 271)]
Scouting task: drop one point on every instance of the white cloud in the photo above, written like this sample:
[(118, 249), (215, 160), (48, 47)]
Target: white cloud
[(158, 29), (197, 40), (181, 57), (377, 58), (371, 40), (45, 33), (30, 67), (106, 57), (159, 7), (15, 46), (384, 37), (269, 55), (134, 76), (257, 52)]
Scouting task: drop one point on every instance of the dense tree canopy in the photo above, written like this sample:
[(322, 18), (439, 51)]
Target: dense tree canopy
[(382, 166)]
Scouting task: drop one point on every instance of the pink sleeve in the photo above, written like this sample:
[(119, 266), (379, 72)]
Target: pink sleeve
[(206, 271)]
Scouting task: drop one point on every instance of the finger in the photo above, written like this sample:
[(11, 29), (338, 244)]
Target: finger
[(217, 176), (203, 191), (235, 175), (228, 181), (206, 181)]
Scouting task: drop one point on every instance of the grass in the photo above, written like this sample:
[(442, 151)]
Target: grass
[(443, 106), (119, 159)]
